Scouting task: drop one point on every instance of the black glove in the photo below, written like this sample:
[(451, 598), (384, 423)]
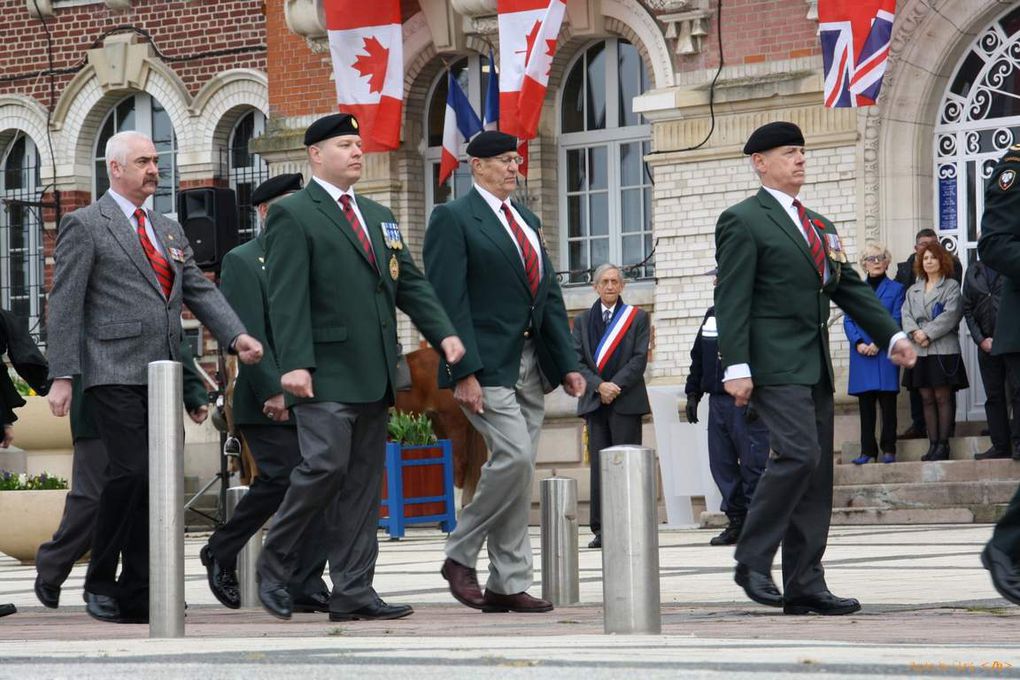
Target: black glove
[(692, 408)]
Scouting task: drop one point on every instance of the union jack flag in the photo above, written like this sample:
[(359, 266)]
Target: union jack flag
[(855, 37)]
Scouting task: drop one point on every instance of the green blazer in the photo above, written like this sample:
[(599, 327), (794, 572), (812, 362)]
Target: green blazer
[(244, 283), (771, 308), (999, 246), (83, 420), (331, 311), (477, 272)]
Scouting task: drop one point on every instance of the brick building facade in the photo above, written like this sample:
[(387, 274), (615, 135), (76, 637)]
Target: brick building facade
[(637, 148)]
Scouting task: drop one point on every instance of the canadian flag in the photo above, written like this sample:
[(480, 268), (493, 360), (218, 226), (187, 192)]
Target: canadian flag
[(527, 43), (366, 45)]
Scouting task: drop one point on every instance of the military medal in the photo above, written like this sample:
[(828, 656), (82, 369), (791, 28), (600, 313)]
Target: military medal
[(176, 254), (391, 233), (394, 267)]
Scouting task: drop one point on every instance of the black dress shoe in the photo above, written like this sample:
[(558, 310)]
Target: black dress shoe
[(824, 603), (275, 600), (102, 608), (8, 609), (991, 454), (729, 535), (941, 451), (596, 542), (1004, 572), (377, 611), (931, 451), (759, 586), (311, 604), (222, 582), (47, 594)]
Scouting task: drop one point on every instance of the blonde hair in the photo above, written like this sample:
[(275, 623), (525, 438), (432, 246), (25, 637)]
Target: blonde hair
[(871, 249)]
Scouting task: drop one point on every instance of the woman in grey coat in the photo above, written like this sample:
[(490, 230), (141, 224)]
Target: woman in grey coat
[(931, 316)]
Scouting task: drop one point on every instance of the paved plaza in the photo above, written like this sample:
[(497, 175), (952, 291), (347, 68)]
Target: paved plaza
[(928, 610)]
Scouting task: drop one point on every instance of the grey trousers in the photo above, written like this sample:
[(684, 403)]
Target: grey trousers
[(792, 505), (73, 538), (343, 455), (498, 513)]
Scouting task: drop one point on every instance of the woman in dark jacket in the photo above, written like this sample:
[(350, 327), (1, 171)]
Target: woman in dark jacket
[(931, 317), (874, 380)]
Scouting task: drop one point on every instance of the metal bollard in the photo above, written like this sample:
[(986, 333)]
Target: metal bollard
[(630, 541), (166, 491), (248, 557), (559, 541)]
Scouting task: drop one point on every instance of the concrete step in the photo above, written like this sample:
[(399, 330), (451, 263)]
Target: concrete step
[(925, 495), (980, 514), (960, 448), (931, 472)]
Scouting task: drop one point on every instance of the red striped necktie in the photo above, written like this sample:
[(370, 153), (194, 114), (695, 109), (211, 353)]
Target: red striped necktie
[(164, 272), (527, 251), (814, 241), (352, 217)]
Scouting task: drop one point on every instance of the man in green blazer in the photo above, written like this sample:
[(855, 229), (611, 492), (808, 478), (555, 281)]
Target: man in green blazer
[(485, 257), (338, 269), (999, 248), (261, 417), (780, 265)]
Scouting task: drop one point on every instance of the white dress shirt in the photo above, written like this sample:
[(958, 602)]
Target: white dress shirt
[(128, 208), (496, 204), (786, 201), (335, 193)]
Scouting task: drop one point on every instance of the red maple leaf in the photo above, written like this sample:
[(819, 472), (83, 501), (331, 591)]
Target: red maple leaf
[(531, 38), (373, 65)]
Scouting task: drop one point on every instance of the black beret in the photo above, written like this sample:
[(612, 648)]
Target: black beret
[(276, 186), (333, 125), (771, 135), (491, 143)]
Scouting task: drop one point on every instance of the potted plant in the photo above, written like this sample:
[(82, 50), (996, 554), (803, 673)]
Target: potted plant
[(30, 511), (418, 481)]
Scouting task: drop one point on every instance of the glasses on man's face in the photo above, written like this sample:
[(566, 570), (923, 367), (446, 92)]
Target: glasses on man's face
[(874, 259), (507, 161)]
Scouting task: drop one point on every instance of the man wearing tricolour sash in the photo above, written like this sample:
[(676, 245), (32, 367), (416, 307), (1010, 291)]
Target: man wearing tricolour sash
[(611, 340)]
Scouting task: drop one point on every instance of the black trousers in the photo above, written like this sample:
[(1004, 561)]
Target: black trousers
[(276, 452), (73, 538), (122, 521), (869, 403), (606, 428), (1001, 394), (792, 505), (1006, 536)]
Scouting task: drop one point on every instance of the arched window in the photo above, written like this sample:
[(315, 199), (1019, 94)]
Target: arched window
[(472, 73), (142, 113), (607, 207), (22, 267), (246, 170)]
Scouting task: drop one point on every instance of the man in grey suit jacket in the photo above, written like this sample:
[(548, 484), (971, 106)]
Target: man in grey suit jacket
[(611, 340), (122, 274)]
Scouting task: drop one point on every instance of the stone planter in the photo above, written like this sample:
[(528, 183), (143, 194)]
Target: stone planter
[(39, 430), (29, 519)]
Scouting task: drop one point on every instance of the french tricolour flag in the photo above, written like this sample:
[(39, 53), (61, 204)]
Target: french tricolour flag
[(366, 46), (527, 43), (461, 124)]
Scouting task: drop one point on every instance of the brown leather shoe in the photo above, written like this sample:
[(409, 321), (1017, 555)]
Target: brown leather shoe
[(518, 602), (463, 584)]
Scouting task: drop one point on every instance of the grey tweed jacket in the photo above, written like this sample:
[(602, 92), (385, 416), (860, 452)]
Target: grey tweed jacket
[(107, 317)]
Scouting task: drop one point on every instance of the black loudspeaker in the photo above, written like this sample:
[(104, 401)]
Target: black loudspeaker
[(208, 216)]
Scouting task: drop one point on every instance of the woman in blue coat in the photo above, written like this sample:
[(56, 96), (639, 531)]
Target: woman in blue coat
[(874, 380)]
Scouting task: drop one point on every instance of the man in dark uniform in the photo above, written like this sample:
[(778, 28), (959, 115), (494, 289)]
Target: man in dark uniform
[(611, 340), (484, 254), (780, 265), (999, 248), (265, 424), (737, 449), (73, 537), (338, 269)]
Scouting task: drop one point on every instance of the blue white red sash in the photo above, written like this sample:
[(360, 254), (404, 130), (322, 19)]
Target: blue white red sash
[(615, 331)]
